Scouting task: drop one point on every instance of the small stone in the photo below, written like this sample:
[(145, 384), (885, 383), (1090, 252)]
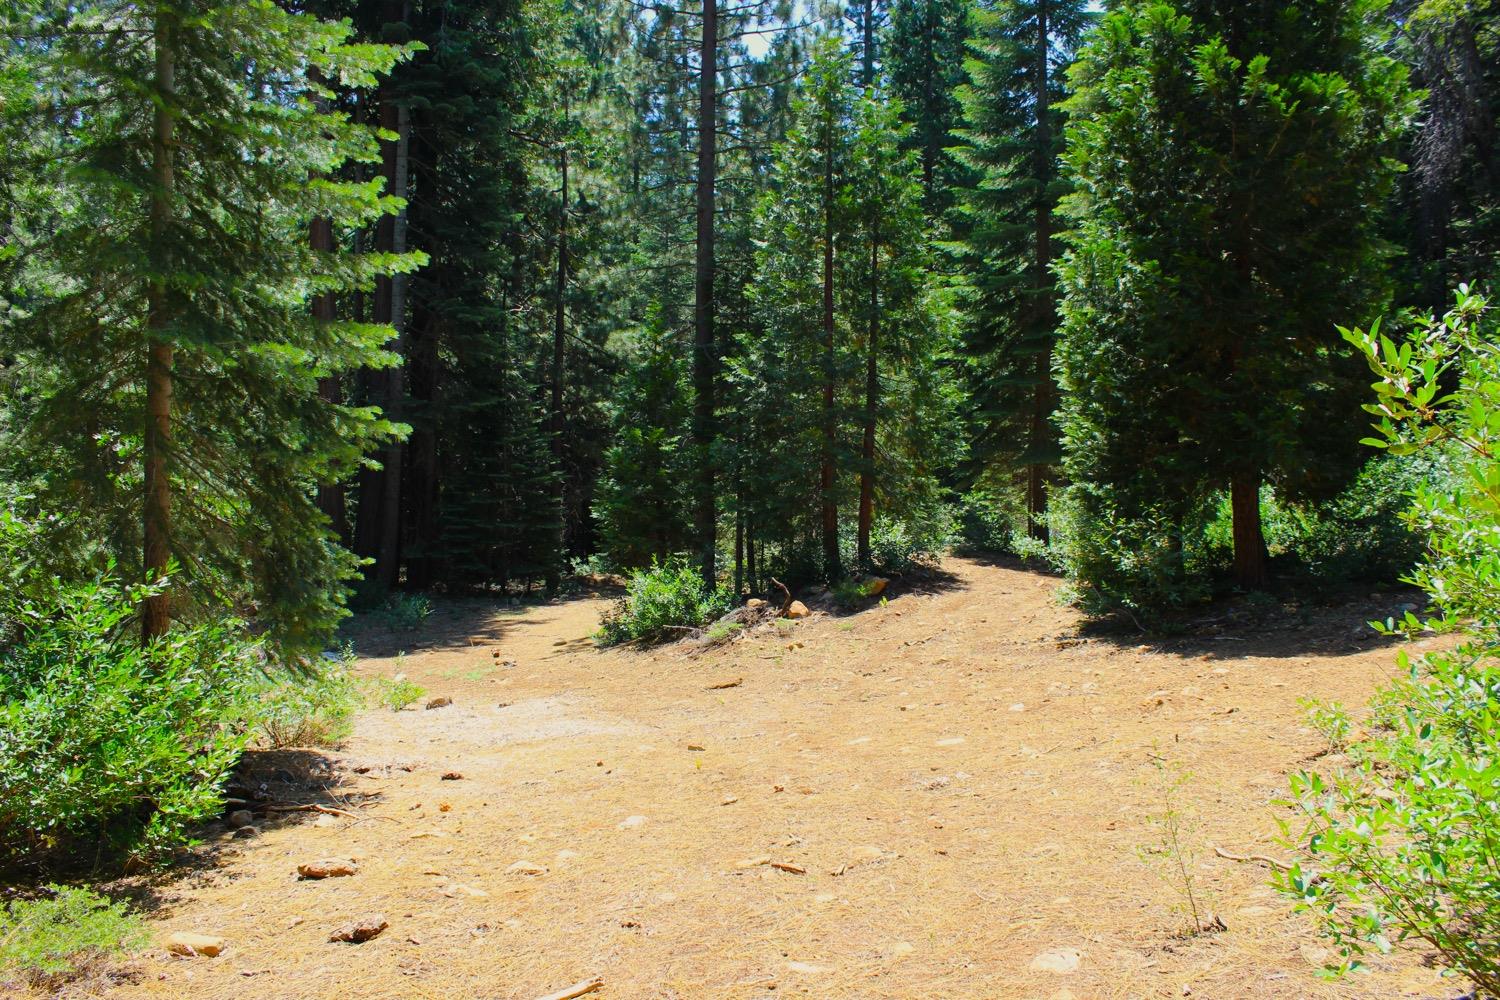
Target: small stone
[(875, 586), (729, 800), (806, 968), (440, 702), (246, 832), (456, 889), (755, 602), (951, 741), (526, 868), (327, 868), (452, 776), (361, 931), (188, 944), (241, 817), (1062, 961), (797, 610), (631, 822)]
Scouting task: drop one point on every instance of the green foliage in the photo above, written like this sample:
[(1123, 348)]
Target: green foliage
[(107, 745), (829, 401), (403, 612), (1010, 143), (1405, 843), (396, 693), (221, 272), (661, 603), (314, 708), (1330, 719), (56, 937), (988, 519), (642, 504), (1179, 841), (1199, 297)]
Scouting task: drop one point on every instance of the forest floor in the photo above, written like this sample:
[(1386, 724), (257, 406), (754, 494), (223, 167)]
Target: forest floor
[(959, 785)]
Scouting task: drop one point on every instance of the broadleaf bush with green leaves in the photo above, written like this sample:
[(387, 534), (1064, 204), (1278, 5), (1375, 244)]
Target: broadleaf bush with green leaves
[(1404, 844), (662, 603), (108, 747)]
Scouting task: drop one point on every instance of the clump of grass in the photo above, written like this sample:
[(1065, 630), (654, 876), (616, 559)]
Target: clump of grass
[(311, 710), (723, 631), (62, 935)]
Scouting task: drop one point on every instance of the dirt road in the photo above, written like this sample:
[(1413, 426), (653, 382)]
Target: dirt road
[(950, 796)]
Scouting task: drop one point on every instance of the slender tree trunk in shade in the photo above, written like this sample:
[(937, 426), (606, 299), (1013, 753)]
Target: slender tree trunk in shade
[(739, 546), (423, 479), (1042, 392), (330, 495), (559, 341), (750, 563), (704, 357), (388, 556), (831, 561), (872, 405), (1251, 569), (156, 612), (867, 28)]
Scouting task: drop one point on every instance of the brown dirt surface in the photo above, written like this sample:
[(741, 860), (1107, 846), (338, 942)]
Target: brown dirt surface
[(915, 801)]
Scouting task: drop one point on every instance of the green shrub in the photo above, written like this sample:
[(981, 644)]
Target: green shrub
[(988, 521), (314, 708), (104, 743), (661, 603), (1145, 565), (396, 693), (907, 544), (1405, 843), (49, 940), (403, 612)]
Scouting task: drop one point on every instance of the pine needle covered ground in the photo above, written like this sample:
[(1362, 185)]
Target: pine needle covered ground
[(952, 795)]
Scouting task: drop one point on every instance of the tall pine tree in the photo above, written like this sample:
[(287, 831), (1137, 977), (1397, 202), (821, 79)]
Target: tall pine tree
[(164, 349), (1011, 142)]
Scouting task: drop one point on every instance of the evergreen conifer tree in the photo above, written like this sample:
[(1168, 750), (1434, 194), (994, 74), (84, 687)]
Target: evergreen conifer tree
[(1230, 161), (165, 371), (1011, 142)]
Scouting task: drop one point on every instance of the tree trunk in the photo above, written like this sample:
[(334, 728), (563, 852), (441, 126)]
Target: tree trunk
[(1042, 392), (1250, 558), (559, 343), (750, 561), (156, 612), (831, 561), (704, 359), (330, 494), (867, 27), (872, 404), (388, 556)]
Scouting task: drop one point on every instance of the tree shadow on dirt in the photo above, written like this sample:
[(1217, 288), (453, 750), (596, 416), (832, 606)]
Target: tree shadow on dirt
[(453, 623), (279, 788), (1262, 625)]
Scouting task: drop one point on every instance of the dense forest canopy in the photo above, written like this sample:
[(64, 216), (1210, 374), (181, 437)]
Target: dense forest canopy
[(414, 295)]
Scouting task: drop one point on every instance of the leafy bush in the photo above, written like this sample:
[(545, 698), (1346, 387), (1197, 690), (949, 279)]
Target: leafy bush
[(906, 544), (988, 521), (403, 612), (314, 708), (397, 692), (49, 940), (661, 602), (1405, 843), (102, 739), (1147, 564)]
